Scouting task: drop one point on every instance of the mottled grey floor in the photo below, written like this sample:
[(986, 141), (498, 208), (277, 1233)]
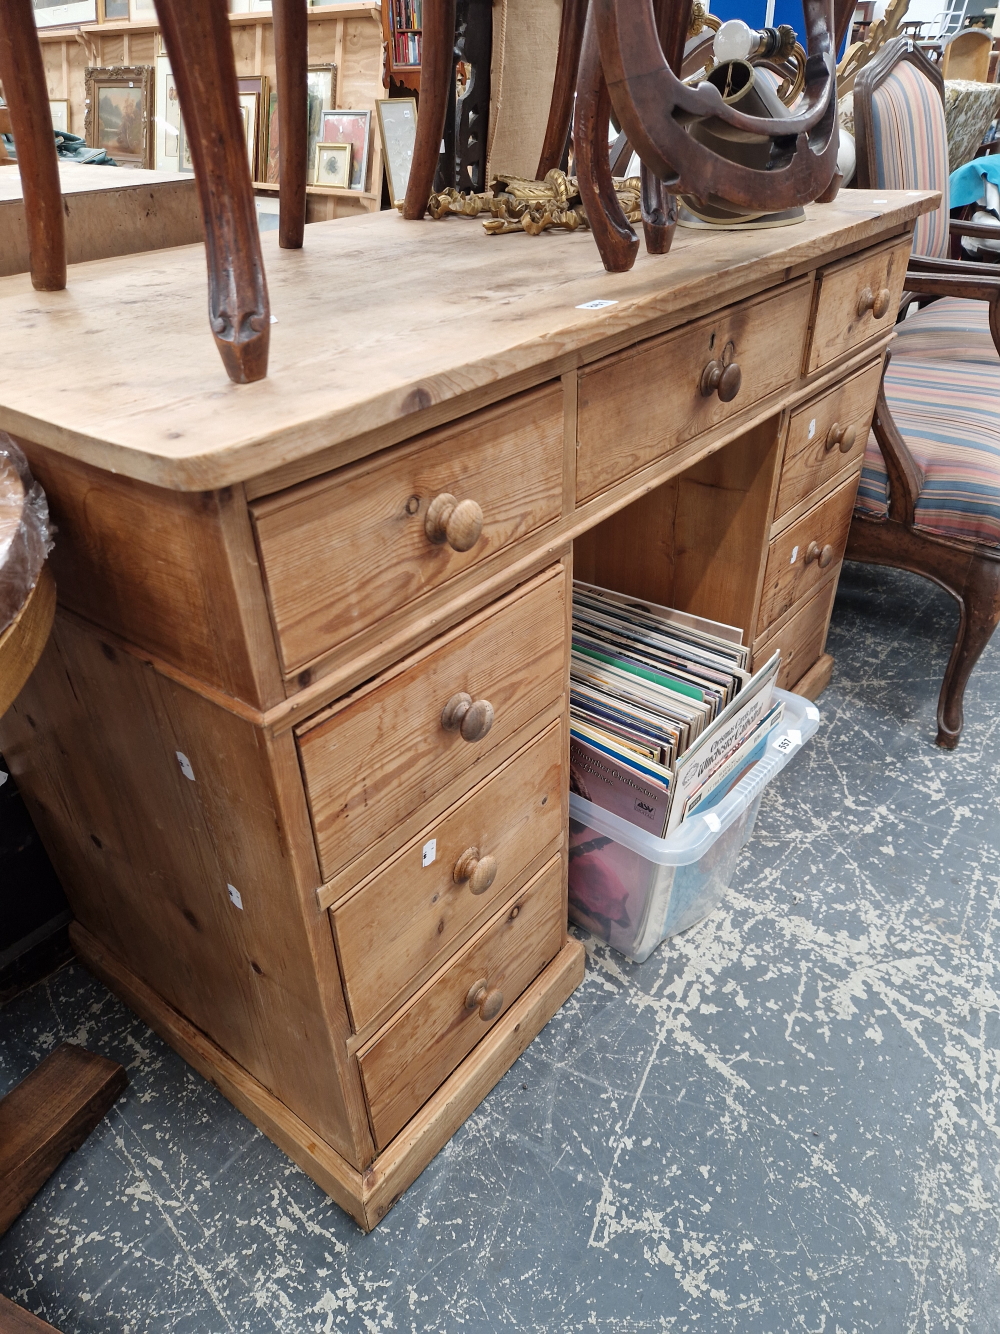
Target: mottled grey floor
[(785, 1120)]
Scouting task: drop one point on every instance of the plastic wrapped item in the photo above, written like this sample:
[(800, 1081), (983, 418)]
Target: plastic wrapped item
[(25, 534), (633, 890)]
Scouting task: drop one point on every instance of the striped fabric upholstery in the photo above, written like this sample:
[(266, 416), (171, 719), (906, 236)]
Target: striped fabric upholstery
[(950, 329), (949, 415), (911, 149)]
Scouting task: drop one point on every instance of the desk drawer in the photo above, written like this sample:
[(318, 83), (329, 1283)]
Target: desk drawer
[(640, 405), (826, 436), (420, 1047), (347, 550), (378, 756), (799, 560), (857, 299), (394, 927), (802, 639)]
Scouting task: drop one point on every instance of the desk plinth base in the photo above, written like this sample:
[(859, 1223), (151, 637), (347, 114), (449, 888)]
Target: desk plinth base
[(367, 1196), (816, 679)]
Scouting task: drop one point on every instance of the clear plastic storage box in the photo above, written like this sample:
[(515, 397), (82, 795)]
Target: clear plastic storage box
[(634, 890)]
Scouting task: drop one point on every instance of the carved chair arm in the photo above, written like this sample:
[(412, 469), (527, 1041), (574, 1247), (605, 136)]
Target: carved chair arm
[(905, 477), (985, 275), (986, 230)]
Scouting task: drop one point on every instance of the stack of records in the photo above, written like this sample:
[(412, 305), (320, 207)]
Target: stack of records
[(665, 719)]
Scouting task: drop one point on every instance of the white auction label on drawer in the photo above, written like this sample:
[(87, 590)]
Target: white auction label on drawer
[(795, 555), (812, 429), (235, 897), (596, 305), (430, 852), (185, 764)]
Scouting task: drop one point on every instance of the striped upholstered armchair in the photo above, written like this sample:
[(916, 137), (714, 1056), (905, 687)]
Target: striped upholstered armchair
[(929, 499)]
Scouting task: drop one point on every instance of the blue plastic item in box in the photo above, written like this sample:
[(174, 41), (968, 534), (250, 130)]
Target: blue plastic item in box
[(652, 888)]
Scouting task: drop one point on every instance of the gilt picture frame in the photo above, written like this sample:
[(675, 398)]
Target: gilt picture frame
[(332, 166), (119, 117), (344, 126), (397, 127)]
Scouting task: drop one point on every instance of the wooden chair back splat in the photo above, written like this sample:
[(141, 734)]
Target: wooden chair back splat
[(23, 76), (648, 97)]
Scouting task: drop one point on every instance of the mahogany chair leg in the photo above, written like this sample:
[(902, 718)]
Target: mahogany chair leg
[(437, 70), (616, 241), (571, 28), (980, 614), (291, 58), (659, 207), (23, 76), (201, 55), (659, 213)]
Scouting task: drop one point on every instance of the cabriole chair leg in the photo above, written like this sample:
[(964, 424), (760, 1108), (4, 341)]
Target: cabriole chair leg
[(980, 614), (198, 41)]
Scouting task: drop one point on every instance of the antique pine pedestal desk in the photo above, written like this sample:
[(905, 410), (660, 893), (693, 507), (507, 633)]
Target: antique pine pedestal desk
[(298, 746)]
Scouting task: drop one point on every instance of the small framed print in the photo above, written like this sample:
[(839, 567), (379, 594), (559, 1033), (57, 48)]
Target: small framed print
[(250, 109), (59, 107), (350, 127), (333, 165), (119, 119), (322, 92), (258, 83), (270, 169), (168, 117), (397, 127), (113, 9), (184, 159)]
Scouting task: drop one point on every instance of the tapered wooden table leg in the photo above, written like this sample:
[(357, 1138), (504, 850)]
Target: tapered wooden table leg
[(291, 57), (436, 72), (23, 76), (571, 28), (615, 238), (201, 55)]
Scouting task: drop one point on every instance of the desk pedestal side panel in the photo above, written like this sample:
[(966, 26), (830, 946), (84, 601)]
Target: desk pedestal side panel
[(152, 803)]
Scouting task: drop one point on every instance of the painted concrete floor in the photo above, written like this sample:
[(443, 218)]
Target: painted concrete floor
[(784, 1120)]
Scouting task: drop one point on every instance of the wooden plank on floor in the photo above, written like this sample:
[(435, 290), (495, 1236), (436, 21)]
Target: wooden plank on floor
[(15, 1320), (47, 1116)]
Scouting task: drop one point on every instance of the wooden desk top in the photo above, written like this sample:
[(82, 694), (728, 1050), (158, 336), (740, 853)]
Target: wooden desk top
[(382, 325), (77, 178)]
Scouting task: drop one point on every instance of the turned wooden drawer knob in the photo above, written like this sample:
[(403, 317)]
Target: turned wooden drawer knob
[(472, 718), (841, 437), (479, 871), (457, 522), (876, 302), (722, 380), (822, 555), (488, 1003)]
